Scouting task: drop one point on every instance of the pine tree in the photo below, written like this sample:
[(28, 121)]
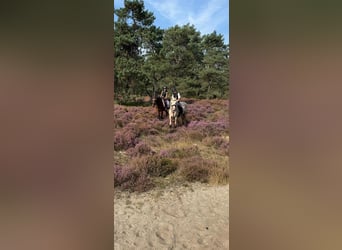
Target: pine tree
[(135, 39), (214, 75), (182, 55)]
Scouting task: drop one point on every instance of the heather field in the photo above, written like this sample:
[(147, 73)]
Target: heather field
[(148, 154)]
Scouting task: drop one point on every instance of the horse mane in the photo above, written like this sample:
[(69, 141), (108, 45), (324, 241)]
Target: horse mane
[(158, 98)]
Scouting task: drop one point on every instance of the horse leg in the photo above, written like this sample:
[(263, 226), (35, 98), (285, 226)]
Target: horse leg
[(171, 120), (185, 121)]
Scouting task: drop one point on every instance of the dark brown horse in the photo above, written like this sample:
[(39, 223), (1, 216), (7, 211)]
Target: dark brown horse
[(158, 103)]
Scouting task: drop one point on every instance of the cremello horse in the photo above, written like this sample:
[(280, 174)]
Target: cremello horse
[(177, 112)]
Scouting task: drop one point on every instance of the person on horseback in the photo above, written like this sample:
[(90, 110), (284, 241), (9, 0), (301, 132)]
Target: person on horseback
[(175, 94), (164, 95), (176, 97)]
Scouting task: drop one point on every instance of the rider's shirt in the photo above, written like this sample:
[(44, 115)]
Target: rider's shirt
[(176, 96), (164, 94)]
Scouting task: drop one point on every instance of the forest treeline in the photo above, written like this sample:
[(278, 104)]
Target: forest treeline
[(147, 57)]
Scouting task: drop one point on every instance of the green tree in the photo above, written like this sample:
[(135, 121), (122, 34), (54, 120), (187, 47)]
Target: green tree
[(182, 56), (214, 76), (135, 40), (147, 57)]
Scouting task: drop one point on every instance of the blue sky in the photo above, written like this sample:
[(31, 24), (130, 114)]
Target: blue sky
[(206, 15)]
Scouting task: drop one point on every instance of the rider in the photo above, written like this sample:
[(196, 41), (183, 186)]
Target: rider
[(176, 96), (164, 95)]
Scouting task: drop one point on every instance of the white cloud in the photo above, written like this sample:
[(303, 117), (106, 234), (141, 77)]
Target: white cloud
[(206, 19), (168, 9)]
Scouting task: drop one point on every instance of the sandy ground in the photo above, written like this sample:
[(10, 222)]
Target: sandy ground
[(194, 217)]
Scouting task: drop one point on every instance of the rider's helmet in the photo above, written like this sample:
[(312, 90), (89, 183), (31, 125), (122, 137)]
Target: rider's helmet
[(164, 88)]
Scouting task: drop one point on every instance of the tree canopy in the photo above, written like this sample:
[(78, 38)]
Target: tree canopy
[(147, 57)]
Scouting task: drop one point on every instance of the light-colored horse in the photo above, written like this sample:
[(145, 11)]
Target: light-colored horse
[(175, 113)]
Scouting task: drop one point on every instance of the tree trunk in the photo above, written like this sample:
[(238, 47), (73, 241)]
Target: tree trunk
[(208, 90)]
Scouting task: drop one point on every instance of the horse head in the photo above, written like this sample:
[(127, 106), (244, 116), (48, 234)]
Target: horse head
[(173, 108)]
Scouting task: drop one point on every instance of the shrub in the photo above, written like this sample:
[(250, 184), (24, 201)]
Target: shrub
[(172, 137), (218, 142), (165, 153), (140, 182), (125, 139), (219, 175), (132, 179), (153, 131), (161, 167), (121, 174), (155, 165), (184, 152), (122, 116), (140, 149), (137, 175), (209, 128), (195, 169), (118, 123), (196, 135)]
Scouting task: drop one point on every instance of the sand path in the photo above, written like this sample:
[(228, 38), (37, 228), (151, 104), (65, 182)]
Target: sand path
[(194, 217)]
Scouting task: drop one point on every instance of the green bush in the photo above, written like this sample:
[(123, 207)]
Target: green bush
[(155, 166), (160, 167)]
